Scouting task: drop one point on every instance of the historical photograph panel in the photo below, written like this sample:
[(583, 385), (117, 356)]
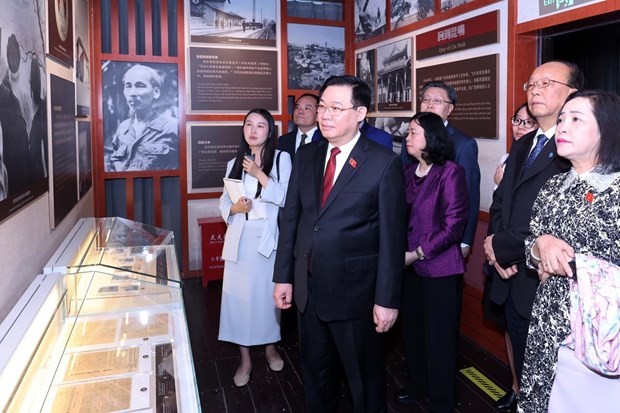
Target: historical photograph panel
[(405, 12), (394, 76), (85, 163), (369, 18), (82, 62), (395, 126), (314, 54), (365, 70), (235, 23), (450, 4), (24, 169), (61, 30), (140, 116), (312, 9)]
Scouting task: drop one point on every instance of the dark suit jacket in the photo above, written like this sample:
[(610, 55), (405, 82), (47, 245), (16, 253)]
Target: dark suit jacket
[(510, 216), (356, 242), (437, 219), (374, 134), (287, 142), (466, 155)]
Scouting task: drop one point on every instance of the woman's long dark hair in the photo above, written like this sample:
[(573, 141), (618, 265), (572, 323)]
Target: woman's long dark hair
[(267, 153)]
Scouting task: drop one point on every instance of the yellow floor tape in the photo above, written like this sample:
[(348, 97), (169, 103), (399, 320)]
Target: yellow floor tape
[(480, 380)]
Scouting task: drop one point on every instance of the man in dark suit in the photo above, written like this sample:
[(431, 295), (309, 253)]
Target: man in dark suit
[(306, 129), (440, 98), (532, 161), (341, 252), (374, 134)]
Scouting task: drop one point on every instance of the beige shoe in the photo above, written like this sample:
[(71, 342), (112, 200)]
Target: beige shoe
[(241, 379), (276, 363)]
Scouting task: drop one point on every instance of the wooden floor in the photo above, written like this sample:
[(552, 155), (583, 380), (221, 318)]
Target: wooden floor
[(215, 363)]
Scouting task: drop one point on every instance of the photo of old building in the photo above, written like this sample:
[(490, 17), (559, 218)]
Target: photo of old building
[(243, 22), (314, 55), (394, 75)]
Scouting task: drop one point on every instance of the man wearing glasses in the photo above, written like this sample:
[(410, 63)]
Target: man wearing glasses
[(532, 161), (306, 129), (440, 98), (341, 252)]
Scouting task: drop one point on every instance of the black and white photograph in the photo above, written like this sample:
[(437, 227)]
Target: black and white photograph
[(369, 18), (82, 62), (365, 70), (312, 9), (395, 126), (450, 4), (314, 54), (405, 12), (61, 31), (233, 22), (23, 105), (140, 116), (85, 164), (394, 76)]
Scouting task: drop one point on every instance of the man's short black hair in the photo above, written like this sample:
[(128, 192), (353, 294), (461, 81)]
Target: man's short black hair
[(311, 95), (361, 95)]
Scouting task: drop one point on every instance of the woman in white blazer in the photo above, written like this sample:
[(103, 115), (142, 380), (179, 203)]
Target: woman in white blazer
[(253, 194)]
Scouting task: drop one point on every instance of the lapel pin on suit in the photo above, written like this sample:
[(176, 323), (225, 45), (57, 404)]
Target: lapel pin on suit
[(352, 162), (550, 155)]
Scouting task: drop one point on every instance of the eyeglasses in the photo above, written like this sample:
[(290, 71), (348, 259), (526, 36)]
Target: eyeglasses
[(527, 123), (435, 101), (542, 83), (334, 111)]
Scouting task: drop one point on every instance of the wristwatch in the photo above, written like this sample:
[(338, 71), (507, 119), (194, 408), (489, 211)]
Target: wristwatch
[(420, 254)]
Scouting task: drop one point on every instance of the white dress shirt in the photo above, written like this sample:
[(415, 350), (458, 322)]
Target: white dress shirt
[(341, 158)]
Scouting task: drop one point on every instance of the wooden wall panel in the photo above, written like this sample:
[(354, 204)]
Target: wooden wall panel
[(522, 58), (134, 32)]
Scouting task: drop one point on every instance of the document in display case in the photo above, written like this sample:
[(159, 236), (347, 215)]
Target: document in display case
[(108, 334)]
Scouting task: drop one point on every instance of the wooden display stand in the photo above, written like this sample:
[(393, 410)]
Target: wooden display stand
[(213, 231)]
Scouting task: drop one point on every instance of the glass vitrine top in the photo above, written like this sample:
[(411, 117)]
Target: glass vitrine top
[(118, 244), (120, 232)]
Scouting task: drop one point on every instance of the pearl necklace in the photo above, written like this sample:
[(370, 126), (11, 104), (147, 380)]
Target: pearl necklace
[(422, 174)]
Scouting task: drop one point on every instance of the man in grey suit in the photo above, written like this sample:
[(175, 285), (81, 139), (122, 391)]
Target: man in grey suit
[(341, 252), (532, 161)]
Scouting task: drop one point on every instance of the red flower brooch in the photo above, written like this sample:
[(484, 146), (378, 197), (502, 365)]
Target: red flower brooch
[(589, 197)]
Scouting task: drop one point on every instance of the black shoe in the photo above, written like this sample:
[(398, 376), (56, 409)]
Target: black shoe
[(404, 397), (508, 402)]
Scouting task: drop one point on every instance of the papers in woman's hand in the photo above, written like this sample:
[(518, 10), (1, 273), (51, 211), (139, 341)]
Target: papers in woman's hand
[(236, 190), (234, 187)]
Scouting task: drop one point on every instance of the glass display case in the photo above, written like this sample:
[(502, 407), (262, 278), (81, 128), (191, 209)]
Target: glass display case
[(103, 329), (119, 244)]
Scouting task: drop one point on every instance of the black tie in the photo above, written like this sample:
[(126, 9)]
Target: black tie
[(303, 139), (542, 139)]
